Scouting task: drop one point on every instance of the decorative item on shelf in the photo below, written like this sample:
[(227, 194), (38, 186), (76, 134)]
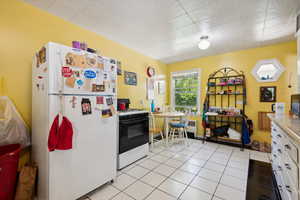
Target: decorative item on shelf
[(83, 46), (268, 94), (130, 78), (91, 50), (150, 71), (211, 84), (76, 44)]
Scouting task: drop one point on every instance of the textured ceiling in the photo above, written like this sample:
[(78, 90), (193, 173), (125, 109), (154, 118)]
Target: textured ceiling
[(169, 30)]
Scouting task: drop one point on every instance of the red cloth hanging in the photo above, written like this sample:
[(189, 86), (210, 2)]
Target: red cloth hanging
[(60, 137)]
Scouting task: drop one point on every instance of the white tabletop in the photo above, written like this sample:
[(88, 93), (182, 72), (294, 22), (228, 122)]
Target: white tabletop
[(169, 114)]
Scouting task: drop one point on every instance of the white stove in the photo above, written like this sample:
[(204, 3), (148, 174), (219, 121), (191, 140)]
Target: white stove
[(133, 136)]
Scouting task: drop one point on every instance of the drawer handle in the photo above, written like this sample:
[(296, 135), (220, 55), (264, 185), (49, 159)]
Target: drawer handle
[(279, 167), (278, 135), (288, 188), (287, 147), (274, 129), (279, 150), (274, 142), (275, 155), (287, 166)]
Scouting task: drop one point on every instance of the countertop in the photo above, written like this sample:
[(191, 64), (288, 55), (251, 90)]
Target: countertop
[(289, 124)]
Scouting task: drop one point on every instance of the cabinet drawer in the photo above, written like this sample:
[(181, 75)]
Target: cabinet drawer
[(291, 149), (290, 190), (277, 149), (281, 185), (290, 170)]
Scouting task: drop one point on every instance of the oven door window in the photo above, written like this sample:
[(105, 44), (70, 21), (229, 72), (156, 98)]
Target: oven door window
[(135, 130), (133, 133)]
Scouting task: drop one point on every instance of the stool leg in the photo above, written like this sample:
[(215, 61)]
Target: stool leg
[(162, 136), (186, 137), (152, 141), (172, 135)]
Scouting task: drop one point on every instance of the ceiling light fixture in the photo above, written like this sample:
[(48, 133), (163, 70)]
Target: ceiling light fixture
[(204, 43)]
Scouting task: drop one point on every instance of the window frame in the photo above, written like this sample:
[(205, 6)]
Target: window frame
[(275, 63), (172, 87)]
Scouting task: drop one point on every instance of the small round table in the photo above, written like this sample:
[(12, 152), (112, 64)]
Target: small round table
[(167, 116)]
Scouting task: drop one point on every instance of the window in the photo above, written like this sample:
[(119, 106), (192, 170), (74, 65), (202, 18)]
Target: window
[(267, 70), (185, 90)]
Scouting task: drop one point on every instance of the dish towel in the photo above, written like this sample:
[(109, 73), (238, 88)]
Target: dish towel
[(245, 132), (60, 137)]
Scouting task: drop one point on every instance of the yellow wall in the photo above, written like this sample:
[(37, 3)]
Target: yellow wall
[(24, 29), (245, 60)]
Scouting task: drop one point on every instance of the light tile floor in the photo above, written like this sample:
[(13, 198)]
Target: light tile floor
[(196, 172)]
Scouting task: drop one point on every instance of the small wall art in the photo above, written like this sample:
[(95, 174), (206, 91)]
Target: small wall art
[(268, 94), (130, 78)]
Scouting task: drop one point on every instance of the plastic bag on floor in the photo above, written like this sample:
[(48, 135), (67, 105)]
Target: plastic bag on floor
[(12, 127)]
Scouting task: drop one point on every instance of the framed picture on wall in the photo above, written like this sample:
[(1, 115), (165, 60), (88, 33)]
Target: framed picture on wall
[(268, 94), (130, 78)]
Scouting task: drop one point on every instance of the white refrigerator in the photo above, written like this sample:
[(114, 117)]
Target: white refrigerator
[(66, 80)]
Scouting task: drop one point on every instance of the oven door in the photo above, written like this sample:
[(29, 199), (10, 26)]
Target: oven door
[(133, 131)]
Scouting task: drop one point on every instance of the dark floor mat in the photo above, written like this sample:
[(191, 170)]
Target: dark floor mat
[(261, 183)]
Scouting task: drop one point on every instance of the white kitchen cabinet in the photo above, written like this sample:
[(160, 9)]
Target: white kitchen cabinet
[(285, 156)]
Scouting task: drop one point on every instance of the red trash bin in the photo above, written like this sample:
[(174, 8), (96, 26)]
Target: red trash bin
[(9, 159)]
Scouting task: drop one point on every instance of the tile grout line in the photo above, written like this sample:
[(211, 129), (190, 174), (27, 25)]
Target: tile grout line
[(168, 177), (222, 175), (139, 179), (231, 176), (188, 157), (196, 174)]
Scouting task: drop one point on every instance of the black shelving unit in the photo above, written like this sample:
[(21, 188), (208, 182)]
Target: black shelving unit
[(224, 92)]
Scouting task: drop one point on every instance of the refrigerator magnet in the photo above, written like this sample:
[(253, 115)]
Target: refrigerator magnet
[(37, 60), (79, 82), (99, 100), (100, 63), (105, 76), (87, 85), (89, 74), (69, 58), (42, 55), (109, 101), (91, 60), (70, 82), (86, 106), (66, 72), (73, 101), (77, 74), (75, 60), (112, 61), (112, 109), (98, 88), (106, 113), (112, 68)]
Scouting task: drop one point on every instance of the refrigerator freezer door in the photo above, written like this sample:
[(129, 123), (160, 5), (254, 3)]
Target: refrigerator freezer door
[(74, 71), (92, 160)]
